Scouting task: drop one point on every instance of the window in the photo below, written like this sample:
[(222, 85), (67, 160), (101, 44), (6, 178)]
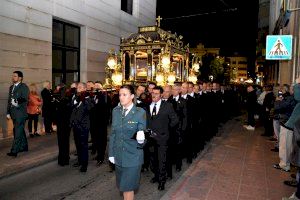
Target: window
[(65, 53), (126, 6)]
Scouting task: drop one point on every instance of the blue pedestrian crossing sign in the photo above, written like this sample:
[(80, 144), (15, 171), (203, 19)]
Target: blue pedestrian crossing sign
[(279, 47)]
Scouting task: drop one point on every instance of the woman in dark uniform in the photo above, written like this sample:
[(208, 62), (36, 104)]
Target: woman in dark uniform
[(125, 149)]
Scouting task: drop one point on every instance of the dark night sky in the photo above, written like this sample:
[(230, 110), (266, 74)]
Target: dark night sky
[(231, 31)]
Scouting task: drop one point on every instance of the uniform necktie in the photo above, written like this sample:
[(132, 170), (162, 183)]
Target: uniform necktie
[(124, 112), (154, 110)]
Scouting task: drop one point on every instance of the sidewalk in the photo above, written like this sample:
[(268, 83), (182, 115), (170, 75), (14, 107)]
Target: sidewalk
[(237, 165), (42, 149)]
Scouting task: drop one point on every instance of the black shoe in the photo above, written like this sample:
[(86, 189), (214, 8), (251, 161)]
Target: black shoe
[(83, 169), (77, 164), (93, 152), (99, 162), (292, 183), (31, 135), (178, 169), (36, 134), (12, 154), (63, 163), (293, 176), (161, 186), (153, 180), (272, 139), (275, 150)]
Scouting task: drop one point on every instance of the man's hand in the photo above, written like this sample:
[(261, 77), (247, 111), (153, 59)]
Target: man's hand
[(14, 102)]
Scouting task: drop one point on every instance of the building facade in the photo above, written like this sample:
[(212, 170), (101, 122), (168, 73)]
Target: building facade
[(285, 20), (63, 40), (238, 68)]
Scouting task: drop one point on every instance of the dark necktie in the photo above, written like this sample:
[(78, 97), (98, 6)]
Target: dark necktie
[(124, 112), (154, 110)]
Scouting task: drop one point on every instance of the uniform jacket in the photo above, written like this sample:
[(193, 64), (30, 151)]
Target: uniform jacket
[(20, 93), (125, 149)]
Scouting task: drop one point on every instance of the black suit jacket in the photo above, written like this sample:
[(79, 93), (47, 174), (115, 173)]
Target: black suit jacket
[(80, 117), (160, 123)]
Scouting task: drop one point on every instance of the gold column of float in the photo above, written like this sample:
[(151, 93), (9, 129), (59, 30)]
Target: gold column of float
[(132, 66)]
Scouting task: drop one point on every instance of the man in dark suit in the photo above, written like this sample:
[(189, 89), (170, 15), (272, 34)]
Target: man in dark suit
[(177, 132), (160, 116), (99, 117), (17, 111), (80, 122)]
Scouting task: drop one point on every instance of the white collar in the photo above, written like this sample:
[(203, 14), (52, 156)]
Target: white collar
[(192, 94), (176, 98), (184, 96), (129, 107), (157, 103), (16, 84)]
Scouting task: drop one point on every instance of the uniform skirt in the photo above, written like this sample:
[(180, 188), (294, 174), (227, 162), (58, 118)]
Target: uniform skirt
[(128, 178)]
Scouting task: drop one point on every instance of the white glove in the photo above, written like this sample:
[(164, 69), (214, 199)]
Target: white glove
[(112, 160), (140, 137), (14, 103), (8, 116)]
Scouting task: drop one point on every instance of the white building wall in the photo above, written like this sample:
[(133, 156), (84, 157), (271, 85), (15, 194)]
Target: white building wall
[(26, 37)]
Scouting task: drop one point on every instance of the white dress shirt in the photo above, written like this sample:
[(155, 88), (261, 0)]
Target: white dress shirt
[(157, 106), (184, 96), (128, 109), (176, 98), (192, 94)]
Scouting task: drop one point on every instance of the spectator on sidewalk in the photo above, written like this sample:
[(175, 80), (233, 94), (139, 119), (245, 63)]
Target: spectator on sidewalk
[(296, 195), (268, 106), (283, 108), (251, 108), (48, 106), (286, 133), (16, 110), (33, 110)]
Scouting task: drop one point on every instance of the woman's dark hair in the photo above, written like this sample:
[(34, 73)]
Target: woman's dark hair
[(128, 87)]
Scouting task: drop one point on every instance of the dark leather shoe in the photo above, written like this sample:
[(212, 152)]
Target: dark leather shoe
[(275, 150), (31, 135), (292, 183), (153, 180), (36, 134), (12, 154), (83, 168), (77, 164), (161, 186)]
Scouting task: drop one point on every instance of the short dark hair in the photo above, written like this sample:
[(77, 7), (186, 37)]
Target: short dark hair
[(161, 90), (151, 83), (20, 74), (128, 87), (99, 82)]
